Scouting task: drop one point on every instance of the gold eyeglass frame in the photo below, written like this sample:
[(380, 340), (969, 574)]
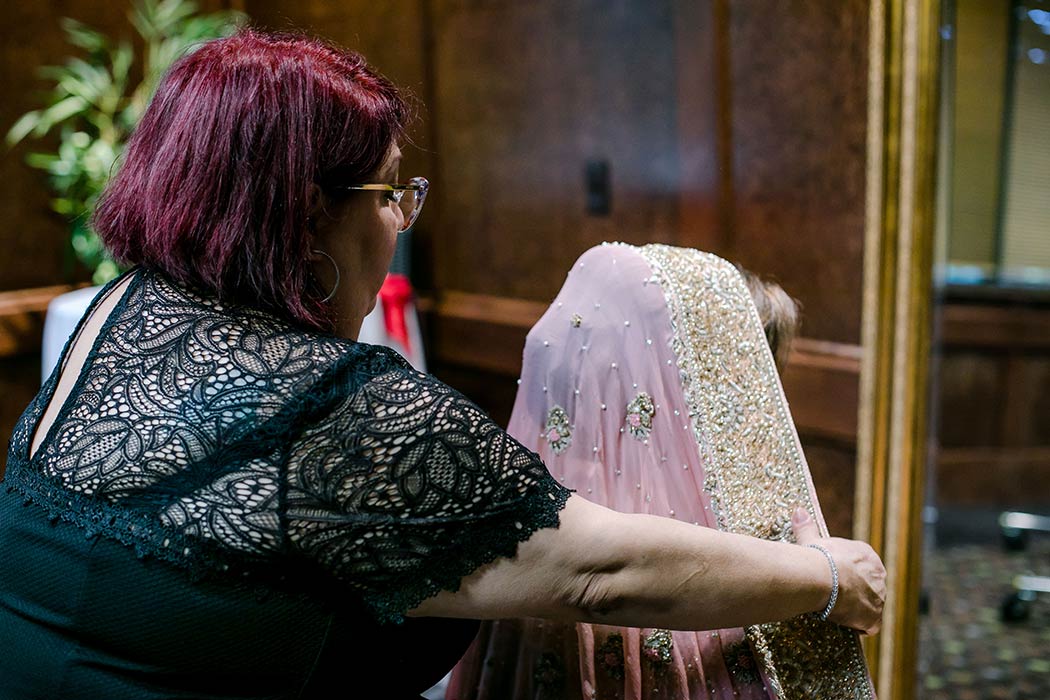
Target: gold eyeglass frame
[(419, 185)]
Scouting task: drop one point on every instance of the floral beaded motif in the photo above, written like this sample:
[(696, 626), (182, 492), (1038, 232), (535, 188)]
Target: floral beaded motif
[(657, 647), (576, 320), (548, 673), (741, 662), (640, 413), (609, 656), (557, 431)]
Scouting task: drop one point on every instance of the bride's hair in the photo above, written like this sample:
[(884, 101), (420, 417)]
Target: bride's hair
[(779, 313)]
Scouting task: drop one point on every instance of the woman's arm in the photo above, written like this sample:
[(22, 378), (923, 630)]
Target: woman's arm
[(601, 566)]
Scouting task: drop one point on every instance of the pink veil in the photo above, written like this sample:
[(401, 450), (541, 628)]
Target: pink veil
[(648, 387)]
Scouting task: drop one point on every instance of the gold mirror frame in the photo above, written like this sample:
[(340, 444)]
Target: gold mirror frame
[(903, 74)]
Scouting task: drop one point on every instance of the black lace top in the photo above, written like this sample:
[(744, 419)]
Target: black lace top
[(227, 442)]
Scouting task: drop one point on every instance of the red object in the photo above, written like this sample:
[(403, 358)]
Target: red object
[(396, 294)]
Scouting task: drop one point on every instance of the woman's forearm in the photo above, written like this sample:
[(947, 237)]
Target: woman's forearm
[(641, 571), (660, 572)]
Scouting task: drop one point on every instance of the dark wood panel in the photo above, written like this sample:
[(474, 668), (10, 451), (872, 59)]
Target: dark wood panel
[(994, 401), (798, 83), (994, 476), (479, 331), (833, 466), (994, 376), (525, 95), (1006, 328), (22, 318), (822, 385), (970, 400), (704, 137)]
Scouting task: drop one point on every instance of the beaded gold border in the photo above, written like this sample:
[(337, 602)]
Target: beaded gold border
[(755, 471)]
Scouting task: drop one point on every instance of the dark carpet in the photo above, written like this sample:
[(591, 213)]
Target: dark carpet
[(966, 652)]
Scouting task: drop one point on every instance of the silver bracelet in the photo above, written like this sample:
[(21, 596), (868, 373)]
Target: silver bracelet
[(834, 581)]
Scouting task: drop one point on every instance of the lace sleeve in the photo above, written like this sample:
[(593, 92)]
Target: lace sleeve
[(407, 487)]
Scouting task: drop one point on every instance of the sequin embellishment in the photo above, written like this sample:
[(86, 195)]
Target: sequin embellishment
[(737, 412), (548, 673), (640, 413), (741, 663), (576, 320), (657, 647), (557, 431), (609, 656)]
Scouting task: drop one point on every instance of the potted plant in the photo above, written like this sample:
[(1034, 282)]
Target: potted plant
[(95, 103)]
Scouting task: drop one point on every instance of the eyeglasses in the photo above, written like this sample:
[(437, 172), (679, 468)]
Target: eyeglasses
[(409, 197)]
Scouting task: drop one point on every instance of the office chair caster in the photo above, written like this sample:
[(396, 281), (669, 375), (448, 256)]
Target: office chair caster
[(1015, 527), (1013, 540), (1017, 607)]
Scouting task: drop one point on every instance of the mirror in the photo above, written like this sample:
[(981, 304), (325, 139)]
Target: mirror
[(983, 628)]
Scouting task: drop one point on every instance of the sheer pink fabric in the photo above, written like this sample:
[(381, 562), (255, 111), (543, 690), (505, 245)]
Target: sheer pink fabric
[(602, 355)]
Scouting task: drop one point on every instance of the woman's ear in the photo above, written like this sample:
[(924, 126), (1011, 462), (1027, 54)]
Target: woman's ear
[(314, 202)]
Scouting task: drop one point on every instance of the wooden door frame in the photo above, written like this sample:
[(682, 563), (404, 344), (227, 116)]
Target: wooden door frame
[(897, 319)]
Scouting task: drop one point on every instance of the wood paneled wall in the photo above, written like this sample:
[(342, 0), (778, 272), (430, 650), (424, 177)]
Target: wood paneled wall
[(729, 125), (993, 401)]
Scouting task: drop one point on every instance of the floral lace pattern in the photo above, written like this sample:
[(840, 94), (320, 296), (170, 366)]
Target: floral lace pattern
[(221, 437), (427, 488)]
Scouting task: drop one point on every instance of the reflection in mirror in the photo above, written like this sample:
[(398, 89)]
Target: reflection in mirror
[(985, 626)]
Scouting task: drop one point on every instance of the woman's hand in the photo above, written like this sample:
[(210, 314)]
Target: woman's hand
[(862, 577)]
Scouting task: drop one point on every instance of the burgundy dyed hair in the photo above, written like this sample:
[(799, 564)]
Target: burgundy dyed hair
[(214, 186)]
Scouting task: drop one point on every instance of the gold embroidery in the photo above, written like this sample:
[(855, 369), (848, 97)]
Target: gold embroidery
[(657, 647), (557, 431), (640, 413), (756, 472)]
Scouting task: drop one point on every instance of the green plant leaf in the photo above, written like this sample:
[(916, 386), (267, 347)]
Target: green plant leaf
[(21, 128), (63, 205), (96, 105), (121, 59), (170, 13), (106, 271), (80, 34), (42, 161), (205, 27), (55, 73), (86, 80), (57, 113)]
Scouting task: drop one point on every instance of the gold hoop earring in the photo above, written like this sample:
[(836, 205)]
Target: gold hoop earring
[(331, 260)]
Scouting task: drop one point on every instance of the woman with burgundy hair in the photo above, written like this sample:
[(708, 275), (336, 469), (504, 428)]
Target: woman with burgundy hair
[(219, 493)]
